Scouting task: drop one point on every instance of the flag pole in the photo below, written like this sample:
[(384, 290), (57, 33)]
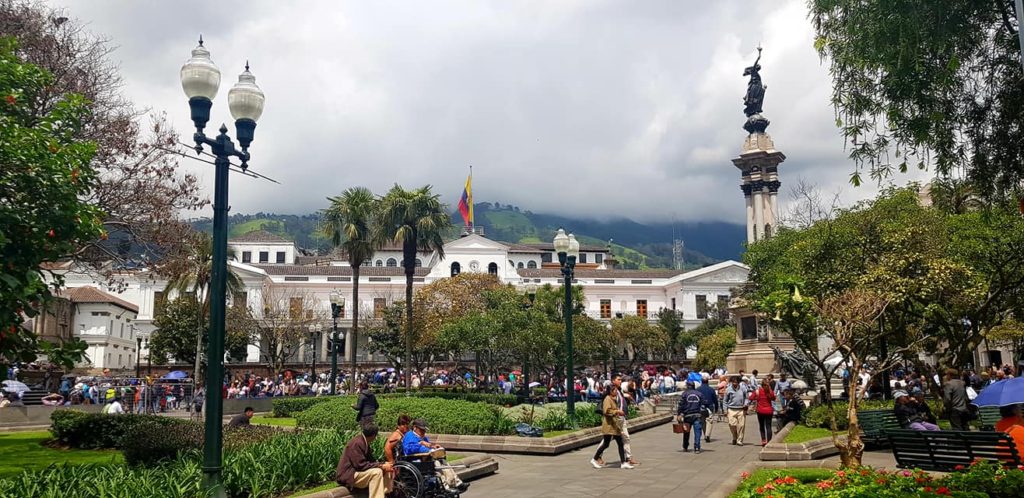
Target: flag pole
[(472, 221)]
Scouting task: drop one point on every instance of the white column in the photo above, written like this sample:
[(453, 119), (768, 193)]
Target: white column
[(758, 215), (773, 212), (750, 218)]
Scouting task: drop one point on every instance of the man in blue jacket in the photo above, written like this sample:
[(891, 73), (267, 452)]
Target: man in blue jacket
[(416, 442), (710, 405), (691, 404)]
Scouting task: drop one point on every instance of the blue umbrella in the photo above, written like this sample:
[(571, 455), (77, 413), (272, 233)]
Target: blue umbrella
[(177, 374), (1002, 393)]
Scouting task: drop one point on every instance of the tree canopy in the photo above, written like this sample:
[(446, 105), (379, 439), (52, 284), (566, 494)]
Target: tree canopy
[(927, 84), (46, 172)]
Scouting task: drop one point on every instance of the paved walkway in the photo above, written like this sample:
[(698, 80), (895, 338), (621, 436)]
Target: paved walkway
[(664, 470)]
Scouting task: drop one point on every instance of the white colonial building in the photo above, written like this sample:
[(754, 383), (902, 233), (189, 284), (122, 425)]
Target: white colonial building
[(272, 268)]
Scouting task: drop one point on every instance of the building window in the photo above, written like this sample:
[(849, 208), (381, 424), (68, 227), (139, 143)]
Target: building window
[(280, 257), (110, 331), (247, 256), (379, 263), (520, 265), (264, 257), (723, 307), (492, 268), (295, 308), (606, 308), (641, 308), (392, 262), (379, 303), (583, 257), (122, 330), (531, 264), (702, 306), (599, 258), (158, 303), (456, 268), (673, 303), (419, 263), (546, 257)]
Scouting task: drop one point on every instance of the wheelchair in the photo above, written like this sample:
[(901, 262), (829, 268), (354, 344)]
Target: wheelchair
[(416, 476)]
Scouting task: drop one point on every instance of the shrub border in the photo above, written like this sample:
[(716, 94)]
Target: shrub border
[(731, 482)]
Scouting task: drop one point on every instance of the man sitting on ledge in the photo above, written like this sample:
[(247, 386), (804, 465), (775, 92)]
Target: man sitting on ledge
[(416, 445), (356, 469)]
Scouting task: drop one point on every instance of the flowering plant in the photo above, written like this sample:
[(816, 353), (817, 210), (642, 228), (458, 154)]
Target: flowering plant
[(980, 479)]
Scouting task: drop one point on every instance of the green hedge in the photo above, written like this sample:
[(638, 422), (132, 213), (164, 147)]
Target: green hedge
[(263, 469), (292, 406), (148, 443), (89, 431), (445, 416), (817, 415)]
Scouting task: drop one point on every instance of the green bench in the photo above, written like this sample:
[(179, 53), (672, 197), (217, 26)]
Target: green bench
[(943, 451), (987, 418), (875, 424)]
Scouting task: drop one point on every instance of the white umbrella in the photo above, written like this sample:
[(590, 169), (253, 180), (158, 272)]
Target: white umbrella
[(13, 386)]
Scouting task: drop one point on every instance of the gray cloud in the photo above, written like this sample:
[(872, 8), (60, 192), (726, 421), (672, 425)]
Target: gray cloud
[(600, 108)]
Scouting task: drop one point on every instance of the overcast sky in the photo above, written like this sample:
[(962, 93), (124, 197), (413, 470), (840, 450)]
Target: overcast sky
[(593, 108)]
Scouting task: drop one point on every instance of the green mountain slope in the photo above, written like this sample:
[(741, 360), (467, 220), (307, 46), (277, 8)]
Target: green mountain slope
[(635, 245)]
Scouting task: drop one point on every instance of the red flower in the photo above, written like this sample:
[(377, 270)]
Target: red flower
[(841, 473), (744, 475), (824, 484), (51, 233), (958, 467), (943, 491), (927, 489), (11, 100), (759, 490), (881, 481)]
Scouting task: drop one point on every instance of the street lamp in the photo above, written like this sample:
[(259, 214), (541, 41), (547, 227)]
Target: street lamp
[(314, 338), (200, 79), (138, 356), (337, 307), (568, 249), (531, 294)]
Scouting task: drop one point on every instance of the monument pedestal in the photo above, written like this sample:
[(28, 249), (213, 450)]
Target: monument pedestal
[(754, 341)]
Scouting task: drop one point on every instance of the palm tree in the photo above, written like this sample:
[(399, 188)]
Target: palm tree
[(193, 274), (954, 196), (350, 220), (418, 220)]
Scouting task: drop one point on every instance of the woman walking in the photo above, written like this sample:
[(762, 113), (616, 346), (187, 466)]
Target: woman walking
[(611, 428), (763, 397)]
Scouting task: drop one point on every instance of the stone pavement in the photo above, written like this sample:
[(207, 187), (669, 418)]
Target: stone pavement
[(664, 470)]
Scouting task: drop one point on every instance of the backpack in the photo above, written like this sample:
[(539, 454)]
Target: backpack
[(599, 406)]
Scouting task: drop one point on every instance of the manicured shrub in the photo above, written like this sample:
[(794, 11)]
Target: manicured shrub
[(817, 415), (148, 443), (291, 406), (96, 430), (445, 416)]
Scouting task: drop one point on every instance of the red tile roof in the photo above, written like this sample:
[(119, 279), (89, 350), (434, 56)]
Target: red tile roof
[(89, 294)]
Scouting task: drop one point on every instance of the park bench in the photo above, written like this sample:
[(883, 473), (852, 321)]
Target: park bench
[(875, 424), (987, 417), (944, 451)]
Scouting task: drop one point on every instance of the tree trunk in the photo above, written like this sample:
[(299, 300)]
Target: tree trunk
[(409, 251), (355, 325), (851, 452)]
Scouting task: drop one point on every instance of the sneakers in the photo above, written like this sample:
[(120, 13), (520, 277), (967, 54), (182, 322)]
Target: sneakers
[(596, 464), (697, 451), (626, 465), (685, 449)]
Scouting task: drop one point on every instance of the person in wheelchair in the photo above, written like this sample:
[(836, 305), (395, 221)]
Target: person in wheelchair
[(356, 468), (417, 447)]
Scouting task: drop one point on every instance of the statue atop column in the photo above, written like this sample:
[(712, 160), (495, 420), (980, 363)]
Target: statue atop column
[(754, 101)]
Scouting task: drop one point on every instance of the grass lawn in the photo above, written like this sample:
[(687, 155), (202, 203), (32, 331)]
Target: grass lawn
[(24, 450), (557, 433), (761, 476), (802, 434), (278, 421)]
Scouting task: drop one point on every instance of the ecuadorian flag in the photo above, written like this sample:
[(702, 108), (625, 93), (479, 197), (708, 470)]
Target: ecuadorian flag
[(466, 202)]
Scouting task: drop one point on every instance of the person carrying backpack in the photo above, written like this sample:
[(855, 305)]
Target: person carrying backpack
[(690, 411)]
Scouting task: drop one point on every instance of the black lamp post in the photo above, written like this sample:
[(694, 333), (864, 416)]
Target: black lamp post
[(200, 80), (138, 357), (568, 250), (531, 295), (314, 338), (337, 308)]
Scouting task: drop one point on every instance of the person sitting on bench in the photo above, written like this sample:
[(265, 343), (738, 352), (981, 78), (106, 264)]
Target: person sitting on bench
[(356, 468), (416, 445), (909, 416), (1012, 424)]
